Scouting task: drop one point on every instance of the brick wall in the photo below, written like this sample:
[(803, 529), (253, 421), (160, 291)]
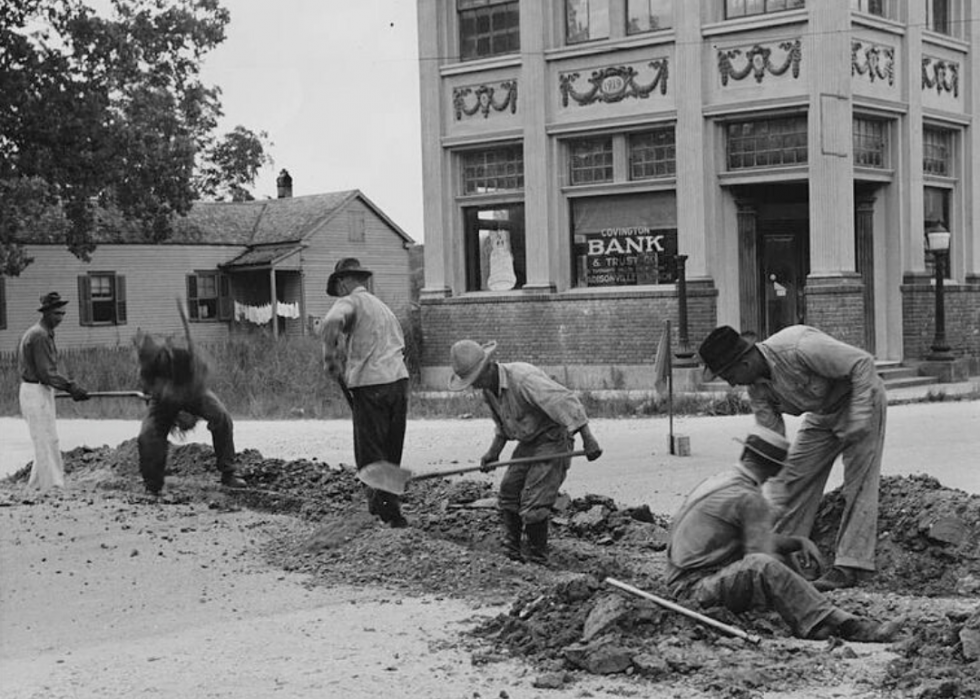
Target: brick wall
[(585, 333), (962, 305), (836, 306)]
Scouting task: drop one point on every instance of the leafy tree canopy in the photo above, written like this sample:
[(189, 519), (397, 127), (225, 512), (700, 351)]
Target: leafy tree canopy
[(109, 111)]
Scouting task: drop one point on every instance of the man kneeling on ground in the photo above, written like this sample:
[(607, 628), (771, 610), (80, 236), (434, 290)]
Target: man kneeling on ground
[(723, 552)]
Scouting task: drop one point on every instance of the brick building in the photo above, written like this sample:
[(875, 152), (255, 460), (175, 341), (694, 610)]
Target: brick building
[(794, 152)]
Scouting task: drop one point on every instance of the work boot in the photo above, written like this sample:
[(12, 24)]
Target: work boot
[(868, 631), (393, 509), (513, 529), (837, 578), (230, 479), (537, 542)]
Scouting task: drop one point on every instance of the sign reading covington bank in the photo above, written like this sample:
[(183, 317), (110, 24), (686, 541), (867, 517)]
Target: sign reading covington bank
[(629, 256)]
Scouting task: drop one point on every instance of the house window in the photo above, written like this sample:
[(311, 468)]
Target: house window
[(488, 28), (870, 142), (494, 247), (937, 152), (744, 8), (493, 170), (871, 7), (767, 143), (652, 154), (102, 299), (939, 16), (355, 231), (590, 160), (586, 20), (208, 296), (647, 15), (624, 239)]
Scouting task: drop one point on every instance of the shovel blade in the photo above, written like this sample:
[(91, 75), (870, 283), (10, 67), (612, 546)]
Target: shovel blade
[(386, 476)]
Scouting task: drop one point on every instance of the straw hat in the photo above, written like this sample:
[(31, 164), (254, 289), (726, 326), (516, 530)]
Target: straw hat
[(468, 359), (770, 445)]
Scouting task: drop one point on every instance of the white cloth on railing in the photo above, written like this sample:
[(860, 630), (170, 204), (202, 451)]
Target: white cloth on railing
[(288, 310)]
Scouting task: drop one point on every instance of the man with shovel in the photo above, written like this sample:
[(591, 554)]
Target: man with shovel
[(543, 417), (37, 359), (723, 552), (364, 350)]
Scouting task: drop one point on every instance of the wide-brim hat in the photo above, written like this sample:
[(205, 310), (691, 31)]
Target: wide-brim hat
[(769, 444), (348, 266), (51, 300), (468, 358), (721, 349)]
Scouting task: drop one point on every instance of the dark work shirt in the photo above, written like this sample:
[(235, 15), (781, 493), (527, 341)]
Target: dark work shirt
[(38, 358)]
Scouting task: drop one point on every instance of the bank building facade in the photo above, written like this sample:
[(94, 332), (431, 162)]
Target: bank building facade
[(786, 158)]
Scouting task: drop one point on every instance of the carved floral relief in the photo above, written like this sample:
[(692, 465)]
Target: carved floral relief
[(469, 101), (614, 84), (940, 74), (758, 61), (874, 60)]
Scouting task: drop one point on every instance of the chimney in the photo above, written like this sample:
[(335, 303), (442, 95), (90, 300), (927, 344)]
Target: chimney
[(284, 185)]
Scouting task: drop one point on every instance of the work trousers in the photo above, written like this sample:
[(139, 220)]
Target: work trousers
[(380, 413), (531, 489), (798, 488), (761, 581), (158, 422), (37, 405)]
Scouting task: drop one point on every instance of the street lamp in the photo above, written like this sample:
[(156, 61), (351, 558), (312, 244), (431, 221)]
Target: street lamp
[(937, 242)]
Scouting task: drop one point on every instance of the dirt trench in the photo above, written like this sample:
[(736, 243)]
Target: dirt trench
[(565, 619)]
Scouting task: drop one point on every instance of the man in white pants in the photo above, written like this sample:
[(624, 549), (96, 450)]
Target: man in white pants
[(38, 365)]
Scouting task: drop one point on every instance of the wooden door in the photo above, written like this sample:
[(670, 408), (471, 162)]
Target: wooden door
[(782, 274)]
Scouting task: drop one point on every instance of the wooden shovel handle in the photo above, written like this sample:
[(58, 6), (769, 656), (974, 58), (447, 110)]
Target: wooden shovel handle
[(108, 394), (497, 464)]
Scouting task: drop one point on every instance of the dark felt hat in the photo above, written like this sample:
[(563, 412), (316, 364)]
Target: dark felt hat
[(770, 445), (721, 349), (348, 266), (51, 300)]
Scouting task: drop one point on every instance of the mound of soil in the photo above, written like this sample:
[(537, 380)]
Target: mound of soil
[(565, 618)]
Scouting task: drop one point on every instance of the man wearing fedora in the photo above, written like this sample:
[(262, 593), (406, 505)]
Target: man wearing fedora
[(723, 551), (543, 416), (37, 359), (801, 370), (364, 349)]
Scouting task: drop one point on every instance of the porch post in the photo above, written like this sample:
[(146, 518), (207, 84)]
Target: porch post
[(275, 302)]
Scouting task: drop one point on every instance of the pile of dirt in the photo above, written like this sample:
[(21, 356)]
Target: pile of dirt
[(565, 618)]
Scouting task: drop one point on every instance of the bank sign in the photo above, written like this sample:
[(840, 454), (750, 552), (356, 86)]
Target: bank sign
[(630, 256)]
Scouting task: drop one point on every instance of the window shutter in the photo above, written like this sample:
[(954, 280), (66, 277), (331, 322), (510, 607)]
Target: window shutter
[(225, 301), (192, 296), (84, 300), (3, 303), (120, 299)]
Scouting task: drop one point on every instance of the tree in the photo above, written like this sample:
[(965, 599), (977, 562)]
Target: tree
[(229, 165), (108, 112)]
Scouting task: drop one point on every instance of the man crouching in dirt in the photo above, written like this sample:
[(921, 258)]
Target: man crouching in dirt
[(543, 416), (175, 381), (723, 552)]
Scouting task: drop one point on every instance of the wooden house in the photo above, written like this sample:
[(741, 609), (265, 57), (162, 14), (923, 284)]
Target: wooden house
[(236, 265)]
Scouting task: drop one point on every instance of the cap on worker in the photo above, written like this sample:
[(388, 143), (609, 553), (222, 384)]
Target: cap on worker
[(347, 266), (770, 445), (721, 349), (468, 359), (51, 300)]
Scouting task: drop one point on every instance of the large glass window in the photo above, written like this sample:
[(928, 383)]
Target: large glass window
[(586, 20), (624, 239), (488, 28), (767, 143), (590, 160), (647, 15), (938, 16), (744, 8), (870, 142), (493, 170), (652, 154), (494, 247), (937, 152), (935, 209), (871, 7), (102, 299)]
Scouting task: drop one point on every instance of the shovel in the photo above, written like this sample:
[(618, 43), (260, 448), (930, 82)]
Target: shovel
[(391, 478), (108, 394)]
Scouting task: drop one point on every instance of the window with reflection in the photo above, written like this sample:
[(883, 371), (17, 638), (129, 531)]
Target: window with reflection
[(488, 28)]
